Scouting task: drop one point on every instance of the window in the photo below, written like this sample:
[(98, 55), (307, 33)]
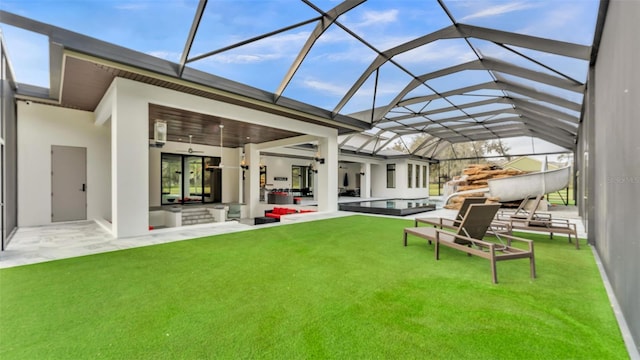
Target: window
[(417, 176), (391, 176), (424, 176), (409, 175)]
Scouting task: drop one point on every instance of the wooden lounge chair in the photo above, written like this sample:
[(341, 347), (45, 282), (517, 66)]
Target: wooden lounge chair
[(523, 213), (452, 222), (469, 238), (533, 221)]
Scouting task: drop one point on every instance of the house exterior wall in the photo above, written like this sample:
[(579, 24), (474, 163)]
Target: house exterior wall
[(40, 127), (613, 225), (402, 189), (126, 104)]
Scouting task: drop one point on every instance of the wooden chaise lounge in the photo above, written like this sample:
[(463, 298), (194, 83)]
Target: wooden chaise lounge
[(452, 222), (528, 209), (469, 238), (534, 221)]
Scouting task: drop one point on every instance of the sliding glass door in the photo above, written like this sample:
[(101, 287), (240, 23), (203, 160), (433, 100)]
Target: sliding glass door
[(171, 179), (212, 180), (189, 179), (301, 180)]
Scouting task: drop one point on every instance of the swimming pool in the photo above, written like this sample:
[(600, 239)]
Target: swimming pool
[(396, 207)]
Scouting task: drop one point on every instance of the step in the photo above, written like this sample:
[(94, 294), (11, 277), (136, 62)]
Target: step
[(192, 210), (197, 222), (196, 216)]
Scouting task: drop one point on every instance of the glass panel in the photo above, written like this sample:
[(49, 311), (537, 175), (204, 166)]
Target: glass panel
[(171, 178), (296, 177), (391, 176), (132, 24), (29, 55), (329, 70), (212, 184), (386, 24), (261, 64), (185, 179), (424, 176), (228, 22), (434, 56), (459, 80), (417, 176), (263, 176), (195, 178), (409, 175), (571, 21), (309, 185)]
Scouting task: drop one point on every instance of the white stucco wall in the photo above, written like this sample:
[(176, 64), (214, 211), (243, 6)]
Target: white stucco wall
[(401, 190), (40, 127), (281, 167)]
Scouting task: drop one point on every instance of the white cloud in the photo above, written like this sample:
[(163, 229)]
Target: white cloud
[(498, 10), (276, 47), (244, 58), (167, 55), (566, 23), (437, 51), (133, 6), (377, 18), (324, 86)]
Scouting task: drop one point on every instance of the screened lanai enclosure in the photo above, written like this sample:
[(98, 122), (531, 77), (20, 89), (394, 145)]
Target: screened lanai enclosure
[(438, 84), (423, 77)]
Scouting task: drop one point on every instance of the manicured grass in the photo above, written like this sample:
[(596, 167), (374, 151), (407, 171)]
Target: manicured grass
[(343, 288)]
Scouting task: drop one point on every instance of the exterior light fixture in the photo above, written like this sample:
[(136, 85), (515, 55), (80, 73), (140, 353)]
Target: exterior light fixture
[(160, 132), (243, 164), (317, 157)]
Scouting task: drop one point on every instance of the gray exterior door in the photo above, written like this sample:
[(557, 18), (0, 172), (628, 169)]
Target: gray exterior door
[(68, 183)]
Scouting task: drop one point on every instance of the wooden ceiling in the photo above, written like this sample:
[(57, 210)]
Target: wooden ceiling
[(205, 129)]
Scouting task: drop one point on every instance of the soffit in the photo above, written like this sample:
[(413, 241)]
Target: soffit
[(205, 129)]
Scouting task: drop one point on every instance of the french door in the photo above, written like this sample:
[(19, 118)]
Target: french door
[(190, 179)]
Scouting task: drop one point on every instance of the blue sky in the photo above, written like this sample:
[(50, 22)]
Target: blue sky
[(160, 28)]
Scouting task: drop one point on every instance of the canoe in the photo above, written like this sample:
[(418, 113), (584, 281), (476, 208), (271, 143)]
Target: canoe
[(520, 186)]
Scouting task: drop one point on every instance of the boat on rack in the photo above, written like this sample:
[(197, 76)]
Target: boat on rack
[(518, 187)]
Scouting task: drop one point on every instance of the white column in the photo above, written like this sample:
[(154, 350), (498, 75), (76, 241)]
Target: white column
[(129, 162), (241, 182), (365, 185), (252, 157), (328, 174)]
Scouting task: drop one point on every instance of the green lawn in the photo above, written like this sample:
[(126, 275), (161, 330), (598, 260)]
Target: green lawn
[(343, 288)]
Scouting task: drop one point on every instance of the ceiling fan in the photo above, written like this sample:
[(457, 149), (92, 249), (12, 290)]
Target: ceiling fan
[(190, 149)]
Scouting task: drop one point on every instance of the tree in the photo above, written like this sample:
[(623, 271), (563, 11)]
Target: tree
[(477, 149), (470, 152)]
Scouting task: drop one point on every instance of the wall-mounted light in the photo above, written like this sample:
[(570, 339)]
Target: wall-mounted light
[(312, 168), (160, 132), (362, 173), (243, 164), (317, 157)]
